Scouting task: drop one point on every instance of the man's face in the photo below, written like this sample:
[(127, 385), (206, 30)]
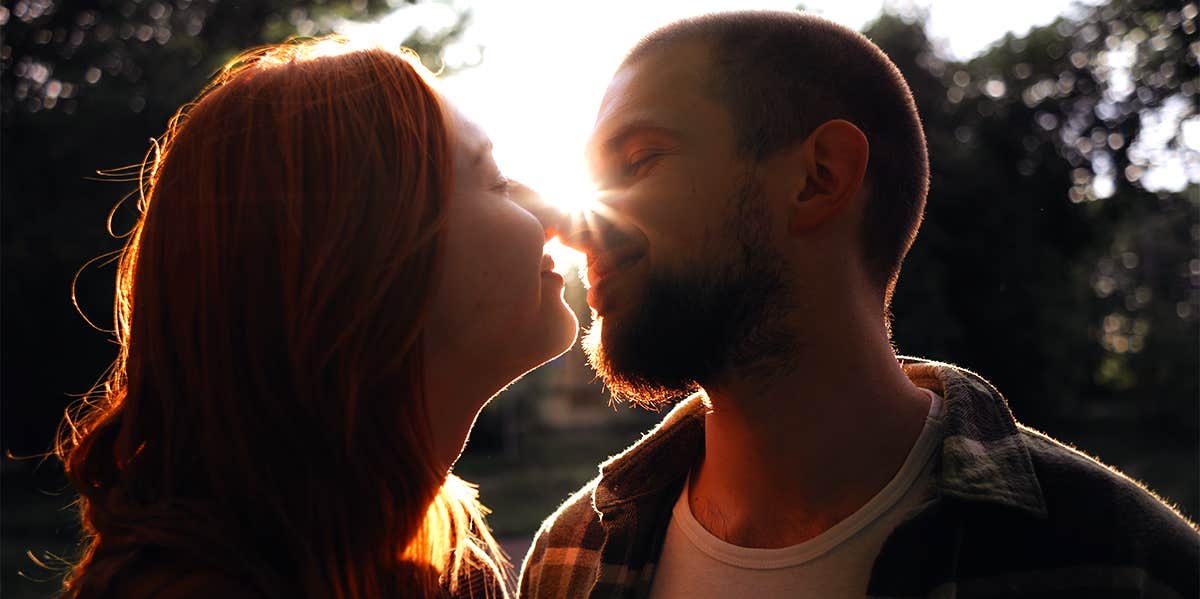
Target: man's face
[(683, 275)]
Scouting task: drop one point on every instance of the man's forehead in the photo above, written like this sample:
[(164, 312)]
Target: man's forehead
[(659, 87)]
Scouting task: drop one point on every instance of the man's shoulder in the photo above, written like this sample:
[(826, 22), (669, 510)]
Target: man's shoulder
[(650, 466), (997, 459), (566, 549), (1077, 486), (575, 516), (1099, 527), (634, 490)]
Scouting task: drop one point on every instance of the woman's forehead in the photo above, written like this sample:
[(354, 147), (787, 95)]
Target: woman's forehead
[(470, 139)]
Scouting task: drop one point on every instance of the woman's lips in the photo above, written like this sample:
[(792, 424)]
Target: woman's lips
[(548, 270)]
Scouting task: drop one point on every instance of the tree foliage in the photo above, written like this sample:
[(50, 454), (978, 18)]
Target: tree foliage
[(157, 51), (1051, 259)]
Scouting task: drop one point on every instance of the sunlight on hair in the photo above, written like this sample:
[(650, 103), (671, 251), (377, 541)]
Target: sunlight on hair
[(308, 50), (302, 49)]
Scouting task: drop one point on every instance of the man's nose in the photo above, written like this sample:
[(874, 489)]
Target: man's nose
[(583, 231), (552, 218), (597, 231), (588, 231)]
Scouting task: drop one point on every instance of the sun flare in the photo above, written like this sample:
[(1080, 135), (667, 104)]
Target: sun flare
[(559, 177)]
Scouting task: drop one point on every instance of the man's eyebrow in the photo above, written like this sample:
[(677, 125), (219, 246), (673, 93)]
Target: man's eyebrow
[(614, 141)]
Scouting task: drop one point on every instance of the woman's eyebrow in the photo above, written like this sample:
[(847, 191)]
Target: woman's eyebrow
[(483, 150)]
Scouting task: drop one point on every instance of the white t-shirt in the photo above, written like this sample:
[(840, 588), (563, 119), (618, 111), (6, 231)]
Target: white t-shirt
[(837, 563)]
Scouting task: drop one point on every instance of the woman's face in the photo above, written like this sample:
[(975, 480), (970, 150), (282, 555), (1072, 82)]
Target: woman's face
[(498, 309)]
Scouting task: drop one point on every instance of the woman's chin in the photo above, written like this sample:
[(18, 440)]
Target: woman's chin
[(568, 332), (559, 339)]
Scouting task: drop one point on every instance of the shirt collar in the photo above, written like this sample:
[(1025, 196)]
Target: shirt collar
[(984, 456), (661, 457)]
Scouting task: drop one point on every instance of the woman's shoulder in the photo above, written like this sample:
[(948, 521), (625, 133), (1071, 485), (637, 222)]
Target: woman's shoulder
[(178, 579)]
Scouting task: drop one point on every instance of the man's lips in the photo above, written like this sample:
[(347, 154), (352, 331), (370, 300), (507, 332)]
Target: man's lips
[(599, 269)]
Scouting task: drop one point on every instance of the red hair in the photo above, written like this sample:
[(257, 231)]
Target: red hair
[(265, 417)]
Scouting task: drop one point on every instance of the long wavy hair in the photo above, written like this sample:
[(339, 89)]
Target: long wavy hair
[(265, 417)]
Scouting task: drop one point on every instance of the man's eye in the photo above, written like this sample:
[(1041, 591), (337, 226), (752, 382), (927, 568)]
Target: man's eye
[(637, 162)]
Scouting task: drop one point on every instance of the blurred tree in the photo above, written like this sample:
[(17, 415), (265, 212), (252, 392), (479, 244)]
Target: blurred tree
[(54, 54), (1058, 255), (1113, 95), (85, 84)]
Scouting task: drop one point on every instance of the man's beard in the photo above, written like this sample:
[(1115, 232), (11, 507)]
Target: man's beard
[(720, 316)]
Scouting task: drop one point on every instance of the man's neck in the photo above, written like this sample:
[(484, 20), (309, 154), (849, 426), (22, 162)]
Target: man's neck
[(790, 455)]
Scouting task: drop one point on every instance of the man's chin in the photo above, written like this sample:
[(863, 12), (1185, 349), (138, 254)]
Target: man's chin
[(616, 359)]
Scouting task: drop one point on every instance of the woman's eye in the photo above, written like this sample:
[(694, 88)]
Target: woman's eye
[(502, 185)]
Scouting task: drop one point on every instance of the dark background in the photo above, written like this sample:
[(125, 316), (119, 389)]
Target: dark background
[(1044, 262)]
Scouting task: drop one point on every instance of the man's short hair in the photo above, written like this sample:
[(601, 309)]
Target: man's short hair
[(783, 74)]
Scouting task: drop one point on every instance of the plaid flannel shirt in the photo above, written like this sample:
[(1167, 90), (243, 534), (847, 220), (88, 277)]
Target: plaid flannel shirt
[(1014, 514)]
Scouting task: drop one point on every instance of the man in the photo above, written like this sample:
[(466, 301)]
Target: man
[(764, 174)]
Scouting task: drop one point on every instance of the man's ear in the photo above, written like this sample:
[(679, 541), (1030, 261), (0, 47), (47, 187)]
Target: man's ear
[(834, 161)]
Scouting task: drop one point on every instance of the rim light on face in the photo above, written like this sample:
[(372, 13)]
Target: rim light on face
[(558, 177), (565, 257), (579, 205)]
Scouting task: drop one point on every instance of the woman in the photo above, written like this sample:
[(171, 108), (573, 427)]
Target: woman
[(328, 280)]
